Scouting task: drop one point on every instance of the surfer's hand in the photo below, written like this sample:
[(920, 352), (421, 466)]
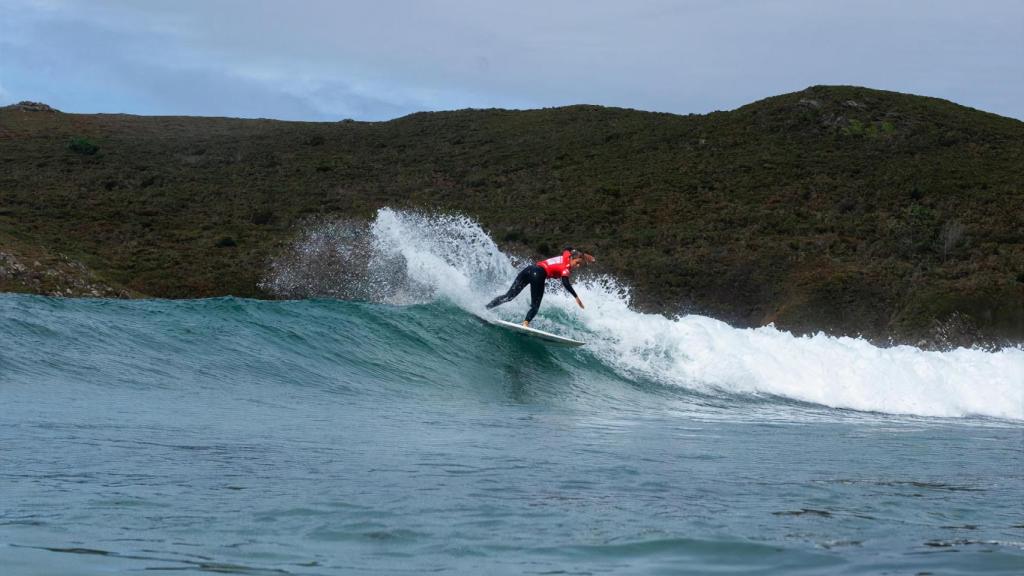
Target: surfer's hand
[(580, 302)]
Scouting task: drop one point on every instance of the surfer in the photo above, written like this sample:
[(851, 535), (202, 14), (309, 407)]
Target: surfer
[(535, 275)]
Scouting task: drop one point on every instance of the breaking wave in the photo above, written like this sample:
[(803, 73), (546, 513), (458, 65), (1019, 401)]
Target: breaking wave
[(404, 258)]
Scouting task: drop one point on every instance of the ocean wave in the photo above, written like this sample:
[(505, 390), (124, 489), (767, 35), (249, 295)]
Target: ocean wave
[(415, 333)]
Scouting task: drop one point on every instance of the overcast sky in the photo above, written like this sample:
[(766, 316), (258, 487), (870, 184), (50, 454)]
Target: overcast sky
[(373, 60)]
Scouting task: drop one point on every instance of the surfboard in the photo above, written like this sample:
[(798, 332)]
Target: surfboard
[(533, 332)]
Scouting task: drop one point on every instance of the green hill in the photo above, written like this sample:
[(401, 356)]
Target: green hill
[(843, 209)]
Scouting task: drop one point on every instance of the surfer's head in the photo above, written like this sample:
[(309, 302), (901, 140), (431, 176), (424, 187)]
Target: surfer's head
[(579, 258)]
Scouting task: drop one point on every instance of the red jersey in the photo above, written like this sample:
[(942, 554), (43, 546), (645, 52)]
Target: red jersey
[(559, 266)]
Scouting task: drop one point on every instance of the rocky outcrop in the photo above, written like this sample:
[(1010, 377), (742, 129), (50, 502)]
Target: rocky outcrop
[(53, 276), (27, 106)]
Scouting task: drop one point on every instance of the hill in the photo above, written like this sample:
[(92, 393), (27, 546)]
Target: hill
[(843, 209)]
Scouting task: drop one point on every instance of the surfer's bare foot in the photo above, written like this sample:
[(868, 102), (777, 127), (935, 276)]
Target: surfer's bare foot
[(526, 323)]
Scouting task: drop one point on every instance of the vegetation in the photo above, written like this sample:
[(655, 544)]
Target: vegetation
[(842, 209), (83, 146)]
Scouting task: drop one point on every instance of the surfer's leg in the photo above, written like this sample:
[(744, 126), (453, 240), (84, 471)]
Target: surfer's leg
[(537, 278), (517, 286)]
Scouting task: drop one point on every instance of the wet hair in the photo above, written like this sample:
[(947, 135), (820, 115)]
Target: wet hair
[(574, 253)]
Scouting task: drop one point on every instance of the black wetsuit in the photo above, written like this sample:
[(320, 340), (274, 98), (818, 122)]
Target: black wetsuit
[(534, 276)]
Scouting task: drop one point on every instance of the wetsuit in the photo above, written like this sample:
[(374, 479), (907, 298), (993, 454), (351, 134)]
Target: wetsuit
[(535, 275)]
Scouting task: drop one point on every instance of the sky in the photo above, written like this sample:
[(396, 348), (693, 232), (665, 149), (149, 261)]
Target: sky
[(381, 59)]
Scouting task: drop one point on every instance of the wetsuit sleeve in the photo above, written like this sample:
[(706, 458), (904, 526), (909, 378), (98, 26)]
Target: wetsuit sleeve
[(568, 286)]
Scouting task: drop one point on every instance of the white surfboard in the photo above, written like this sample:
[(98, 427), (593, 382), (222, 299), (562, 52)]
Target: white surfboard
[(542, 335)]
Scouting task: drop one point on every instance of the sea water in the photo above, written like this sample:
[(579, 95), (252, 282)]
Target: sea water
[(400, 434)]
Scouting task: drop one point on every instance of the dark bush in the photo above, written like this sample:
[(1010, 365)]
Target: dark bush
[(514, 235), (264, 217), (83, 146)]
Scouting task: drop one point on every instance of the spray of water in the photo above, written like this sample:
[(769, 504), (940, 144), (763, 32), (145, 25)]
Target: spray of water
[(404, 257)]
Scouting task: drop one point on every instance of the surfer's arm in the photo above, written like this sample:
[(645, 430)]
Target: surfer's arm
[(568, 286)]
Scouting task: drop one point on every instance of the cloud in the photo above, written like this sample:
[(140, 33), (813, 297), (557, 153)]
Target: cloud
[(86, 66), (321, 59)]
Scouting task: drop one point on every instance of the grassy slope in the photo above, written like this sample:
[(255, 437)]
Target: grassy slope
[(834, 208)]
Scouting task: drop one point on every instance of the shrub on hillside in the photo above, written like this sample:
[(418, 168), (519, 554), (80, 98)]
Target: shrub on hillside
[(83, 146)]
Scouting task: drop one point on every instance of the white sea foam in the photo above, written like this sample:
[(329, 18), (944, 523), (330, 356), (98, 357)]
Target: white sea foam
[(444, 255), (454, 258)]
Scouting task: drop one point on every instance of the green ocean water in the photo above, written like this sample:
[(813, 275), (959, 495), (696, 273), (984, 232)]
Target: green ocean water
[(327, 437)]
